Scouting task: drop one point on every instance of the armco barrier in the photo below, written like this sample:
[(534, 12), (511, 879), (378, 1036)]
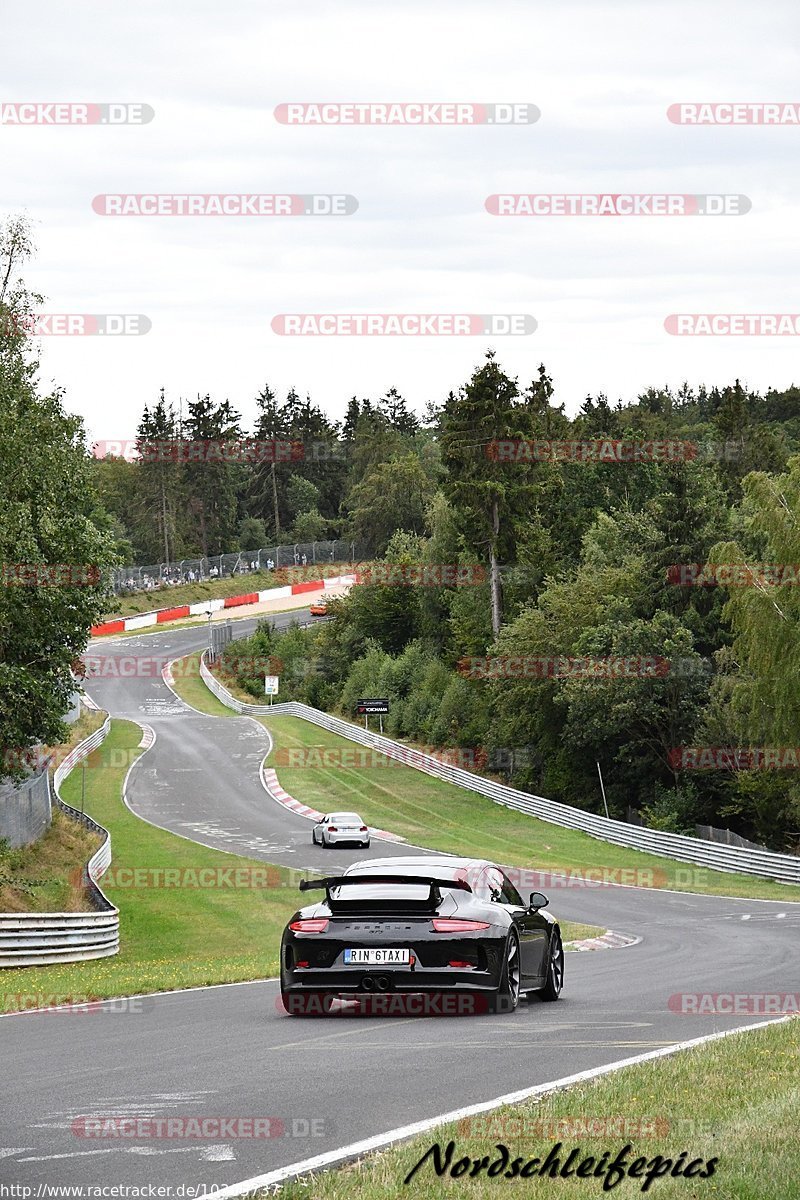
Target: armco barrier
[(33, 939), (782, 867)]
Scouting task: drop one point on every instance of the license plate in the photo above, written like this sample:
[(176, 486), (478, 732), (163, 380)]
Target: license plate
[(377, 957)]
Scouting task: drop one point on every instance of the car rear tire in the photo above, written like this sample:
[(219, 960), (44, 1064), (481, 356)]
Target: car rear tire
[(555, 969), (506, 998), (307, 1004)]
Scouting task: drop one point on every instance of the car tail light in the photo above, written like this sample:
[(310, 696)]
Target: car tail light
[(456, 925), (363, 829), (332, 829), (310, 925), (305, 964), (454, 962)]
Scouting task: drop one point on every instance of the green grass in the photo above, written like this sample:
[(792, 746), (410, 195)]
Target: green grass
[(575, 931), (238, 585), (47, 876), (433, 813), (735, 1100), (171, 937), (190, 687), (430, 812)]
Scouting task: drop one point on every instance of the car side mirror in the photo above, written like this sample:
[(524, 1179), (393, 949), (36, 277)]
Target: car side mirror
[(536, 901)]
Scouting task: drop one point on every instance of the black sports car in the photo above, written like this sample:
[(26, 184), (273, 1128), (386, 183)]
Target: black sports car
[(427, 926)]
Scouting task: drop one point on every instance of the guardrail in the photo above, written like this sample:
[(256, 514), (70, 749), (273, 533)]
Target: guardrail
[(784, 868), (33, 939)]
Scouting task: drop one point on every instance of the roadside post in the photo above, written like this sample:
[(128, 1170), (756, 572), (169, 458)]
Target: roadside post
[(271, 687)]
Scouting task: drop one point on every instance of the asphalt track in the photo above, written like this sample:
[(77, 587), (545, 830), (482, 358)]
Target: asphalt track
[(232, 1052)]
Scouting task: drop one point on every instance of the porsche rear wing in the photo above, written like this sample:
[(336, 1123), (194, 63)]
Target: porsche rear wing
[(384, 904)]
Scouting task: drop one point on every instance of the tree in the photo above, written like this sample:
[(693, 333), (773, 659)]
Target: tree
[(159, 477), (489, 493), (46, 509), (764, 616), (252, 534), (397, 413), (270, 428), (302, 495), (309, 526), (215, 478), (393, 495)]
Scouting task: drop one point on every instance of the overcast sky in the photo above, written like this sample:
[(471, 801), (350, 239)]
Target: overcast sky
[(602, 73)]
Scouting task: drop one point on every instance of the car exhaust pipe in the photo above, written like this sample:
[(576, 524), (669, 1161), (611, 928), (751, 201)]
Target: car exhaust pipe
[(368, 984), (383, 983)]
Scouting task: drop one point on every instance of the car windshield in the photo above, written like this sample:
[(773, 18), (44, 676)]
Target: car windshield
[(412, 873), (382, 891), (352, 818)]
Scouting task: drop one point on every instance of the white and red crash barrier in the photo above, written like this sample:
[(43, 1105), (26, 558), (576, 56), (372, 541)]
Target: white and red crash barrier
[(179, 612)]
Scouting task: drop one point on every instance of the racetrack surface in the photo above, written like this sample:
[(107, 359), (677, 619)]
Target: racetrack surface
[(231, 1051)]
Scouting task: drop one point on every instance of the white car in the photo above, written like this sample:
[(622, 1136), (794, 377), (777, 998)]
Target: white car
[(340, 827)]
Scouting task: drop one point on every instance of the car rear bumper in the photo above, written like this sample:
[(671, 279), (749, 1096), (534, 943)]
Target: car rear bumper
[(379, 980)]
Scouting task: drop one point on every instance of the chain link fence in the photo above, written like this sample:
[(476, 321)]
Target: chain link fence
[(25, 810), (725, 837), (224, 566)]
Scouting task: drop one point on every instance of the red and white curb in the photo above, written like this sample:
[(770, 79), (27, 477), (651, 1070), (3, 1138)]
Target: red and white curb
[(148, 737), (303, 810), (179, 612), (606, 941)]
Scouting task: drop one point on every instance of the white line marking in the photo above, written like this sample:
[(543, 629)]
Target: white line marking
[(380, 1140), (217, 1154), (19, 1150), (206, 987), (779, 916), (72, 1154), (746, 917)]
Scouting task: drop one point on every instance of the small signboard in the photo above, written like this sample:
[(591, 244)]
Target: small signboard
[(271, 685), (370, 707)]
